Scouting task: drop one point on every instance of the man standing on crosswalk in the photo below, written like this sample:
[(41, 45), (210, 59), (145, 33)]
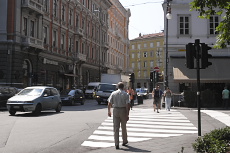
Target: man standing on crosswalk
[(119, 100)]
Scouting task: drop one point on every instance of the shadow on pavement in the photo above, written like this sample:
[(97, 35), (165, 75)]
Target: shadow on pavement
[(133, 149)]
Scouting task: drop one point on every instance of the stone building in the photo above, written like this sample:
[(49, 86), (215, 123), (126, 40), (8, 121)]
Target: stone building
[(60, 43), (147, 53)]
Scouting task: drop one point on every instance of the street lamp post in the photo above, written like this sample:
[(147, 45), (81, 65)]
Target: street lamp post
[(168, 17)]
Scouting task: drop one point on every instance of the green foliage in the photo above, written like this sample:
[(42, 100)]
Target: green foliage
[(217, 141), (206, 8)]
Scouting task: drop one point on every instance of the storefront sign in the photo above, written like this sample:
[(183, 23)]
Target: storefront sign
[(46, 61)]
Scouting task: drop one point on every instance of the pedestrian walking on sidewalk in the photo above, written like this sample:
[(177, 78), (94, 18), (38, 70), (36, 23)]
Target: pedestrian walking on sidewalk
[(157, 95), (225, 97), (168, 98), (119, 100), (132, 96)]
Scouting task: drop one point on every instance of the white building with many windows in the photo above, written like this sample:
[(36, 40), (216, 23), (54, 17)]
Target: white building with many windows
[(185, 27)]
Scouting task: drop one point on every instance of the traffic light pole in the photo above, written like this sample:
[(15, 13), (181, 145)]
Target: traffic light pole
[(197, 48)]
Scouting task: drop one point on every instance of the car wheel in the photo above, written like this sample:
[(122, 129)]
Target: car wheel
[(58, 109), (82, 102), (12, 112), (37, 110), (99, 102)]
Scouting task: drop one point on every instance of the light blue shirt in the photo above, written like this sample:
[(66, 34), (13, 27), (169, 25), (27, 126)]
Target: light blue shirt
[(119, 98), (225, 94)]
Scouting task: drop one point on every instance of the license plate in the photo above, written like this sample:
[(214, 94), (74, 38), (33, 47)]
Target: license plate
[(16, 107)]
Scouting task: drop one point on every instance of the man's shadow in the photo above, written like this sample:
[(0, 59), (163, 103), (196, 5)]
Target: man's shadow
[(133, 149)]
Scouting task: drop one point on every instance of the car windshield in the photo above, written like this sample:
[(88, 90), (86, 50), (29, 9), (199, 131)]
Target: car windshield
[(71, 93), (65, 92), (90, 87), (31, 92), (106, 87)]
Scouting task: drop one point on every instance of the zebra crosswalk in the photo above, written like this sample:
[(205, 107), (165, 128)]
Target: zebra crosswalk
[(143, 124)]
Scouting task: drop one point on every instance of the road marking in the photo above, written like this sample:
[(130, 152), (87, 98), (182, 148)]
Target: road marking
[(222, 117), (144, 124)]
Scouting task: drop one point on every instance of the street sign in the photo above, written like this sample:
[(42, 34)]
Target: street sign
[(157, 69)]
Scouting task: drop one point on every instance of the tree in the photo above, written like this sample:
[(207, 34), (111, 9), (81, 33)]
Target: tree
[(207, 8)]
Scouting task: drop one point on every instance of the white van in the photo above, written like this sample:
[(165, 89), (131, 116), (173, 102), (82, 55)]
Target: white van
[(103, 92), (90, 88)]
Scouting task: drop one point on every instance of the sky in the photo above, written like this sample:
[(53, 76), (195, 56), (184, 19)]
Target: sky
[(147, 16)]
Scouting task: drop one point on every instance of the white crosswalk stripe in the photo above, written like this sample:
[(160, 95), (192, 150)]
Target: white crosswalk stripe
[(143, 124)]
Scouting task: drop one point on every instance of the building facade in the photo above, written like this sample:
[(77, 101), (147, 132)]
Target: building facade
[(60, 43), (185, 27), (118, 54), (147, 53)]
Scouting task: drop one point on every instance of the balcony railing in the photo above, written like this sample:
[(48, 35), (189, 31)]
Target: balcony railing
[(33, 5), (32, 42), (105, 45)]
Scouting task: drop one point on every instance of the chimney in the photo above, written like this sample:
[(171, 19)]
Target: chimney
[(139, 34)]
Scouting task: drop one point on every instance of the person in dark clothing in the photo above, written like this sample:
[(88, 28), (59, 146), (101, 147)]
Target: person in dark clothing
[(157, 95)]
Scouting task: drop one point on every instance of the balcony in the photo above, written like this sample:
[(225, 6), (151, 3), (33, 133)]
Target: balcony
[(33, 6), (79, 32), (105, 45), (32, 42)]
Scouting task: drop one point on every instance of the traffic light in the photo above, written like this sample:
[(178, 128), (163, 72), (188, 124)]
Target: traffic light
[(151, 77), (131, 78), (190, 55), (205, 56)]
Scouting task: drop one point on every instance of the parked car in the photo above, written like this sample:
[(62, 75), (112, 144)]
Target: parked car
[(143, 92), (35, 99), (72, 96), (6, 93)]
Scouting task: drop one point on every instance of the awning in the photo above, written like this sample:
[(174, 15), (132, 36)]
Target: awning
[(72, 75), (218, 72)]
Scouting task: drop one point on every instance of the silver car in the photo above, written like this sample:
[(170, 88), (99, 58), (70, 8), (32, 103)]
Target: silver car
[(35, 99)]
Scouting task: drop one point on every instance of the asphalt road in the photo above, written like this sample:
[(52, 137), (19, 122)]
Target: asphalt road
[(77, 128)]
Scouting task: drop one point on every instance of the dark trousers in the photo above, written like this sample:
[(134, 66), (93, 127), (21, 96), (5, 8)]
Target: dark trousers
[(225, 103)]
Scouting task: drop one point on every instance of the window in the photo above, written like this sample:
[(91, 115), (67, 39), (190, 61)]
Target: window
[(55, 9), (151, 63), (54, 38), (32, 28), (139, 46), (151, 45), (133, 65), (70, 17), (158, 44), (25, 26), (145, 74), (133, 55), (145, 54), (70, 44), (145, 64), (63, 13), (139, 65), (138, 55), (145, 45), (45, 32), (213, 23), (133, 46), (184, 25), (151, 53), (62, 41), (46, 5)]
